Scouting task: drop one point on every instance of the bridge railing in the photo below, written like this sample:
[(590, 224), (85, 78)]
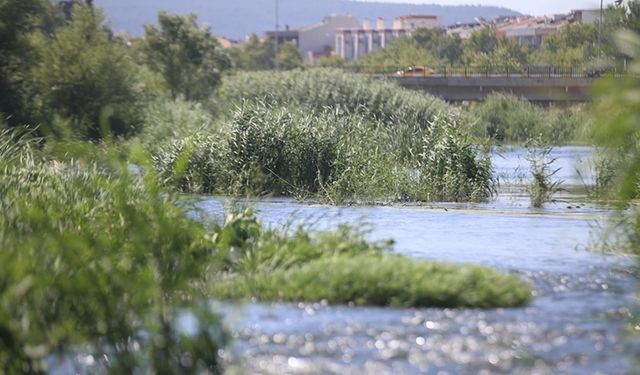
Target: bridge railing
[(530, 71)]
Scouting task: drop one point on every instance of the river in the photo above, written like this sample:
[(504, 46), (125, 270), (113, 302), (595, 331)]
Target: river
[(578, 321)]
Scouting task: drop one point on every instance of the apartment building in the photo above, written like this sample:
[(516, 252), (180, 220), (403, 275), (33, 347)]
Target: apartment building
[(355, 42)]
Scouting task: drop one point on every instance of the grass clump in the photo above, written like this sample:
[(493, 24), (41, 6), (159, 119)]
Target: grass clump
[(380, 280), (543, 186), (341, 267)]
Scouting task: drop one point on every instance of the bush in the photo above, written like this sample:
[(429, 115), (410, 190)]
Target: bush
[(98, 260)]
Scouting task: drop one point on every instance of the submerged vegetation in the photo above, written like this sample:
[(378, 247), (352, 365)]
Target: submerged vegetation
[(376, 279)]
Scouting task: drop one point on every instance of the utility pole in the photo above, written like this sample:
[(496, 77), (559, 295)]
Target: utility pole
[(600, 31), (277, 41)]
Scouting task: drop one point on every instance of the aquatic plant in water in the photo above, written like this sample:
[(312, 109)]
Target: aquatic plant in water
[(543, 185)]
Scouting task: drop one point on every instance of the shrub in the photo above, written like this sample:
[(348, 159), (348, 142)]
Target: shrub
[(98, 260)]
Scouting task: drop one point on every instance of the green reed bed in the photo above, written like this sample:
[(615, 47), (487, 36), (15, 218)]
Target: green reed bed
[(507, 118), (349, 139), (401, 112)]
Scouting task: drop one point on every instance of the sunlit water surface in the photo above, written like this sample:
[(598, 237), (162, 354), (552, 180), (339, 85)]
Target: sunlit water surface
[(578, 321)]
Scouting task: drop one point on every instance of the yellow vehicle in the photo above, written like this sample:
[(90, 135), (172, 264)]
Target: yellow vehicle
[(415, 71)]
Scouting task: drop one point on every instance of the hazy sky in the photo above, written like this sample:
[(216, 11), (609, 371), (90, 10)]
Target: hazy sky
[(535, 7)]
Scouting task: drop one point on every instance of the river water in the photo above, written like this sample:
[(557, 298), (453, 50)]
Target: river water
[(578, 321)]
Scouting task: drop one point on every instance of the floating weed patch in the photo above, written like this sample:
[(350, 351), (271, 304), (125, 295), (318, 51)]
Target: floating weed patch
[(380, 280)]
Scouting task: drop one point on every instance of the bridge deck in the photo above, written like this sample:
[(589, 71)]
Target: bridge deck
[(473, 88)]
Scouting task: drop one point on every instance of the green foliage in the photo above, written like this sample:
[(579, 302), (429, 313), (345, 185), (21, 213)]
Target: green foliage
[(399, 54), (506, 118), (255, 54), (341, 267), (381, 280), (631, 17), (341, 138), (444, 46), (331, 62), (618, 111), (289, 57), (573, 46), (17, 20), (82, 76), (543, 186), (98, 260), (166, 120), (483, 40), (188, 56), (451, 168), (281, 151), (483, 51)]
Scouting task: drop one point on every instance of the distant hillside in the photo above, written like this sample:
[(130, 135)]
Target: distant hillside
[(238, 18)]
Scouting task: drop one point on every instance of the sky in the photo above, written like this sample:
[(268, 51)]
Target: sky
[(533, 7)]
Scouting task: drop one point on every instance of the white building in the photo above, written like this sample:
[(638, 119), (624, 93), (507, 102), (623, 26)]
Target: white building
[(317, 40), (586, 16), (355, 42)]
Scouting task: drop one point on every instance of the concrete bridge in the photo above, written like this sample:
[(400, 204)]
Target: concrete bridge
[(548, 88)]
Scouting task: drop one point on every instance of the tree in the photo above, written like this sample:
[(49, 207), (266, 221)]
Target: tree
[(631, 18), (444, 47), (84, 78), (484, 51), (289, 57), (573, 45), (331, 62), (255, 54), (188, 56), (17, 20), (483, 40), (401, 53)]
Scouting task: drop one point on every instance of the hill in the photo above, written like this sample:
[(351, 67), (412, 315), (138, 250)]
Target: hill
[(239, 18)]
